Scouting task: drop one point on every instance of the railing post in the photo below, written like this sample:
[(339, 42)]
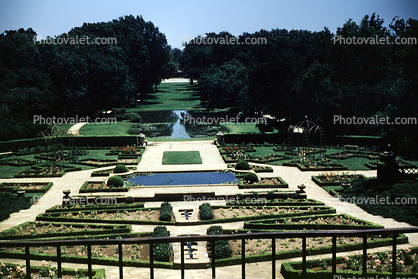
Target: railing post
[(273, 258), (27, 256), (364, 254), (59, 264), (334, 255), (120, 246), (90, 271), (304, 257), (151, 260), (243, 259), (182, 258), (394, 239), (213, 259)]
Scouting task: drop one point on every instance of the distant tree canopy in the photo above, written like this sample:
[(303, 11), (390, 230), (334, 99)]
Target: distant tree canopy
[(300, 73), (68, 79)]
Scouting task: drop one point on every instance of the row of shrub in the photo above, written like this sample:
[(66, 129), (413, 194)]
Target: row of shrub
[(206, 212), (162, 251), (166, 211), (222, 248)]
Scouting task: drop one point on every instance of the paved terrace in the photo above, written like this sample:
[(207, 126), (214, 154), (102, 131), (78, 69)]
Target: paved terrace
[(211, 160)]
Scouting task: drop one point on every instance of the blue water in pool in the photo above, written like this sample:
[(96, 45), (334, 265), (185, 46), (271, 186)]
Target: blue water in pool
[(183, 178)]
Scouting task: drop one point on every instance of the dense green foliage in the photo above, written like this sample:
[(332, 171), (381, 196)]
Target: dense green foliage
[(251, 177), (162, 251), (222, 248), (166, 211), (120, 169), (299, 72), (115, 182), (242, 165), (77, 79), (402, 197), (205, 211), (10, 203)]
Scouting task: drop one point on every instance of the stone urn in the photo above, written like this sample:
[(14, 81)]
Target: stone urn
[(345, 185), (219, 137), (301, 188), (20, 193), (141, 138), (66, 194)]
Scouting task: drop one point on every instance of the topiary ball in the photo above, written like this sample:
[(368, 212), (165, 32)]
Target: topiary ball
[(120, 169), (115, 182), (242, 165), (251, 177)]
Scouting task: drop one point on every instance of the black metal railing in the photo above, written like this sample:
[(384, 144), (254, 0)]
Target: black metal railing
[(212, 238)]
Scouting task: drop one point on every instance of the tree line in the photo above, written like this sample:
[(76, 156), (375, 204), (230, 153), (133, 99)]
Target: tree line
[(299, 73), (39, 78)]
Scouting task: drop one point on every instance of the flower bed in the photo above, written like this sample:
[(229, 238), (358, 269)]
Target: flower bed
[(284, 201), (100, 186), (267, 182), (78, 207), (126, 150), (316, 222), (235, 157), (46, 171), (97, 163), (46, 229), (379, 265), (224, 214), (259, 250), (332, 179), (228, 149), (28, 187), (306, 164), (9, 270), (114, 216)]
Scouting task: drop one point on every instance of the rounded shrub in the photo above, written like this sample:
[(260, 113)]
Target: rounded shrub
[(120, 169), (251, 177), (242, 165), (115, 182)]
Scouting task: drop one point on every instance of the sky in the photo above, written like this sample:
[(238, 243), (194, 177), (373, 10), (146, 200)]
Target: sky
[(182, 19)]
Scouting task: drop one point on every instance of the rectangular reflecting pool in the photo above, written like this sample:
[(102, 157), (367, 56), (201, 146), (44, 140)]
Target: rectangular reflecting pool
[(183, 178)]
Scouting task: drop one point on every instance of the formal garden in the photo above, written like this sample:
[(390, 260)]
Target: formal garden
[(258, 184)]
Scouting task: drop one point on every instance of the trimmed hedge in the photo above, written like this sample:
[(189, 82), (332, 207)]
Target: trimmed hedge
[(251, 177), (166, 211), (85, 188), (222, 247), (10, 203), (272, 223), (242, 165), (115, 182), (205, 211), (322, 210), (120, 169), (162, 251), (68, 208), (107, 229)]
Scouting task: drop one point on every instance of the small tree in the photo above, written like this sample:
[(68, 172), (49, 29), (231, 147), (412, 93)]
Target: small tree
[(120, 169), (251, 177)]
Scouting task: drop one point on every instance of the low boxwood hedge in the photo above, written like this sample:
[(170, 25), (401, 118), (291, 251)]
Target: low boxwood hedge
[(68, 208), (4, 187), (321, 210), (279, 223), (11, 233)]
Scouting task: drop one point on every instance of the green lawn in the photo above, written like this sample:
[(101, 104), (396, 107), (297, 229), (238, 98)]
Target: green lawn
[(181, 157), (120, 128), (169, 96)]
